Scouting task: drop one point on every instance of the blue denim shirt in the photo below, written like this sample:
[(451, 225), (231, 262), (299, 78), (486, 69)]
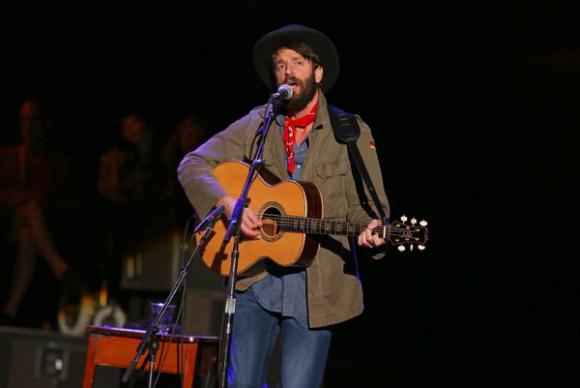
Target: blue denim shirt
[(284, 290)]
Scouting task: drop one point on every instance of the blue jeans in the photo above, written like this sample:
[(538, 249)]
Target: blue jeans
[(304, 351)]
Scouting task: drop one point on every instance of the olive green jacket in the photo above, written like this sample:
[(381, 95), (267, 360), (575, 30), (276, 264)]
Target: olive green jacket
[(334, 289)]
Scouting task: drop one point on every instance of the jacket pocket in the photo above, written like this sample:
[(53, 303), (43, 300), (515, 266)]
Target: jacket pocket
[(328, 170), (331, 182)]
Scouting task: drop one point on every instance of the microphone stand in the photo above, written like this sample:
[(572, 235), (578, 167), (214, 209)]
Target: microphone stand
[(150, 339), (234, 230)]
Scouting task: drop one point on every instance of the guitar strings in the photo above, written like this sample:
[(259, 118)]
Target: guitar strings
[(318, 224)]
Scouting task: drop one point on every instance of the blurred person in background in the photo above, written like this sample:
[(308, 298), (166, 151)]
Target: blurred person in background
[(130, 185), (39, 199), (187, 136)]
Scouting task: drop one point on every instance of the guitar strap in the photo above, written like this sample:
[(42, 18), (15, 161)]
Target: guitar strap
[(347, 131)]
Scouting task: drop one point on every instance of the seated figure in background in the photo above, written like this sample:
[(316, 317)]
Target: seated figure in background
[(187, 136), (35, 183), (130, 185)]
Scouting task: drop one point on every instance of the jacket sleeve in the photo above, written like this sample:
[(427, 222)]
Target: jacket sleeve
[(195, 169), (360, 210)]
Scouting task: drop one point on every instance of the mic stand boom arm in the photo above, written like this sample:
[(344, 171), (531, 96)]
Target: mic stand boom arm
[(234, 230), (150, 337)]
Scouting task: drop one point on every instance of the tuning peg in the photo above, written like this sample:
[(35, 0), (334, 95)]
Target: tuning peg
[(401, 248), (421, 247), (423, 223), (413, 221), (404, 218)]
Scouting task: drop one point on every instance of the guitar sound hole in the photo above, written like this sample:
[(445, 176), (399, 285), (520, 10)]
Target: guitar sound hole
[(271, 223)]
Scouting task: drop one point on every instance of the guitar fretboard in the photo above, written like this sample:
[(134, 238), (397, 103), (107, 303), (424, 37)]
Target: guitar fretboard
[(324, 226)]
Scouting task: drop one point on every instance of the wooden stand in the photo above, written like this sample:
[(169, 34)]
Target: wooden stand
[(184, 354)]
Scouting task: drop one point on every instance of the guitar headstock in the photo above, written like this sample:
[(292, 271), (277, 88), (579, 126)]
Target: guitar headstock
[(409, 233)]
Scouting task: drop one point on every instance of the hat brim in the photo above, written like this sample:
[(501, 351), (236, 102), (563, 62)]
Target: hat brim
[(320, 43)]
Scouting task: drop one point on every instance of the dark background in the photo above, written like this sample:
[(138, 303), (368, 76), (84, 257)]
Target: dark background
[(474, 107)]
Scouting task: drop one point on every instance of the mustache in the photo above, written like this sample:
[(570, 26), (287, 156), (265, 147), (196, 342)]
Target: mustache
[(292, 80)]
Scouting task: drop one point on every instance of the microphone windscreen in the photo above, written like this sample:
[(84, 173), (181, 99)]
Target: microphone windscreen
[(285, 91)]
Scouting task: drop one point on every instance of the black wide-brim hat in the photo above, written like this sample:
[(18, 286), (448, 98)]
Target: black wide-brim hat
[(320, 43)]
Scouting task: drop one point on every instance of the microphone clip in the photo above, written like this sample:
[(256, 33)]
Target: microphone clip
[(210, 219)]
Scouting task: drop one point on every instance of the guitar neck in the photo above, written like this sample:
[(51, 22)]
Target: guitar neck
[(327, 226)]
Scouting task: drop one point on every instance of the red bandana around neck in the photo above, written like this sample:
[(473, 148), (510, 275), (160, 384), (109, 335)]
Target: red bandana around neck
[(290, 126)]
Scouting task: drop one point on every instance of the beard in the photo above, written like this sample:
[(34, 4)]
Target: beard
[(299, 101)]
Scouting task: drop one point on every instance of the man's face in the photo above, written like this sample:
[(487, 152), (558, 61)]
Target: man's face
[(293, 69)]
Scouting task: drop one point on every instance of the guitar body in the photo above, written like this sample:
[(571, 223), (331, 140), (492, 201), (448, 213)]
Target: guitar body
[(270, 199)]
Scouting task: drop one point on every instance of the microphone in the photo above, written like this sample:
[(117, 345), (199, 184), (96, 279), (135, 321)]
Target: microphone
[(284, 92), (210, 219)]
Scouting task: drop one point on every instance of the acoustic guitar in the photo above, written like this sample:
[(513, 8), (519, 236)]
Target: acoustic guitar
[(292, 224)]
